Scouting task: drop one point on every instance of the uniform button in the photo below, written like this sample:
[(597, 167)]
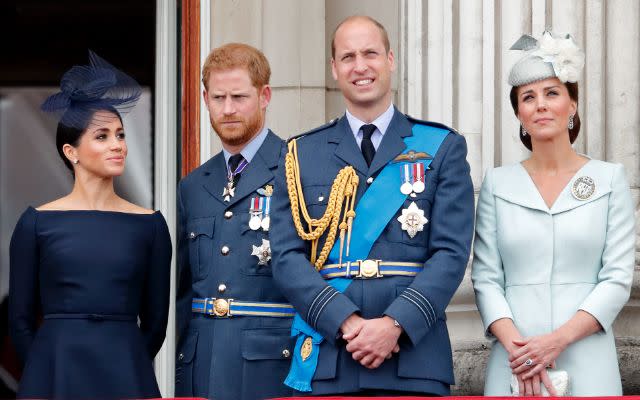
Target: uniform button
[(370, 180), (286, 353), (321, 198), (228, 214), (192, 235), (181, 357), (222, 287), (224, 250)]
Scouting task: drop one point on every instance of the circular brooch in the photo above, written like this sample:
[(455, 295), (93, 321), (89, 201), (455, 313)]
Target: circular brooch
[(583, 188)]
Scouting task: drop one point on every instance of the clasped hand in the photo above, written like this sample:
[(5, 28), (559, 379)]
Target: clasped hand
[(542, 352), (371, 341)]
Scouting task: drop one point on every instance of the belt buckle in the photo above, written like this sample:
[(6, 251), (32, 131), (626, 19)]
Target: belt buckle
[(220, 308), (369, 269)]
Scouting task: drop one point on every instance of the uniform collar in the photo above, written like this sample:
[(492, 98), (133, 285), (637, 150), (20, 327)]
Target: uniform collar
[(381, 122), (251, 148), (258, 172)]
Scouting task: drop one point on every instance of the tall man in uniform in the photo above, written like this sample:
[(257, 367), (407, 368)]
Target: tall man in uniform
[(371, 314), (233, 323)]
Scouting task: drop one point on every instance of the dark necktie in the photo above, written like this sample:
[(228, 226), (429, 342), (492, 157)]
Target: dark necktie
[(368, 151), (235, 168)]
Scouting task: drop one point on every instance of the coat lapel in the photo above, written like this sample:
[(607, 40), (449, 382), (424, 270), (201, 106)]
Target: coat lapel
[(392, 142), (347, 148), (516, 186), (215, 177), (259, 171), (567, 201)]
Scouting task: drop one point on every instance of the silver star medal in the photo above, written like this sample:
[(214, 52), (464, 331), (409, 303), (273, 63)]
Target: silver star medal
[(229, 191), (412, 219), (263, 252)]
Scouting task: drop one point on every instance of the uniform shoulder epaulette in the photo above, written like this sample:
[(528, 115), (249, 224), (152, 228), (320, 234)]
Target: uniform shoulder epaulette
[(315, 130), (431, 123)]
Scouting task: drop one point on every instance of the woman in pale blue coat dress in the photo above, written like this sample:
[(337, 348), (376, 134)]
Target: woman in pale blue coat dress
[(554, 248)]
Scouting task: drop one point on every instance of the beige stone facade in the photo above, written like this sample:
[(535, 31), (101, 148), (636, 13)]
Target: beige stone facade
[(453, 60)]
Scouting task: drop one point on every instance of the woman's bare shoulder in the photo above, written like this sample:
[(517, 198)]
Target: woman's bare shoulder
[(62, 203), (132, 208)]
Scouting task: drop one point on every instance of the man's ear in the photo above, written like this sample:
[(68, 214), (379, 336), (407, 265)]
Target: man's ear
[(265, 96), (392, 60), (333, 69)]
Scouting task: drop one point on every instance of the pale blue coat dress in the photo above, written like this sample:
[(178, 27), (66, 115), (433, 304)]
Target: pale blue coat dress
[(539, 266)]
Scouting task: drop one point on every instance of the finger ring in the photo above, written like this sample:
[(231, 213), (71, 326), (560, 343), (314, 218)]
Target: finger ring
[(529, 362)]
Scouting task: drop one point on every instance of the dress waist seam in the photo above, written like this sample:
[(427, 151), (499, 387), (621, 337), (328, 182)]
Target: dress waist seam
[(93, 317)]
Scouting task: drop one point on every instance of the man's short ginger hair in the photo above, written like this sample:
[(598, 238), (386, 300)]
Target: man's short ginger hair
[(238, 55), (381, 28)]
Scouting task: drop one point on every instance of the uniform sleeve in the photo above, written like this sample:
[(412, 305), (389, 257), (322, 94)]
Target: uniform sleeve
[(24, 298), (184, 290), (319, 304), (154, 311), (424, 302), (616, 276), (487, 272)]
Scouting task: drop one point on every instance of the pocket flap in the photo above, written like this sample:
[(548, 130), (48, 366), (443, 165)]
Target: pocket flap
[(200, 226), (316, 194), (188, 349), (267, 344)]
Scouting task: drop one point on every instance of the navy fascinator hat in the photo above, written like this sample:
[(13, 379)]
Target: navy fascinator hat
[(85, 89)]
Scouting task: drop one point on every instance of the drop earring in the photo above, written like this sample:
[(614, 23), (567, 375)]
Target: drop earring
[(570, 125)]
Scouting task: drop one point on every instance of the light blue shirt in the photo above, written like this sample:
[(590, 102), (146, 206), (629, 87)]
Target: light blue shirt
[(381, 123), (250, 149)]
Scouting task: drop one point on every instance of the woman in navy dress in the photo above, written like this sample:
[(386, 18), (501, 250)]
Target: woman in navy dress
[(93, 264)]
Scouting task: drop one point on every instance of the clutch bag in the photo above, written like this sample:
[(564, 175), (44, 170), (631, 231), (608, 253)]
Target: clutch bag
[(559, 379)]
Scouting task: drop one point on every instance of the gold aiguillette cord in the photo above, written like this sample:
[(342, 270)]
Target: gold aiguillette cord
[(341, 204)]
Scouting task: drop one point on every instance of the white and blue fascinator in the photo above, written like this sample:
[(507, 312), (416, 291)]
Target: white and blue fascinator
[(550, 57), (85, 89)]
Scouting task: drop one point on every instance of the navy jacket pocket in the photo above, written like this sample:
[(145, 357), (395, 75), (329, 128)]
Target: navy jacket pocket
[(266, 357), (316, 198), (184, 365), (200, 234)]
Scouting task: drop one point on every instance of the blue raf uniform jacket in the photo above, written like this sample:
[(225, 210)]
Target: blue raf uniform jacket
[(243, 357), (418, 303)]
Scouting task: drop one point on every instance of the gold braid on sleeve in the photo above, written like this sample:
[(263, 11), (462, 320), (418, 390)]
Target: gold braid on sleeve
[(339, 213)]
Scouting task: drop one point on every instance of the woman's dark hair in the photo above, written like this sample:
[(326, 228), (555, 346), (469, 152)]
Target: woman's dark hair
[(572, 88), (70, 135)]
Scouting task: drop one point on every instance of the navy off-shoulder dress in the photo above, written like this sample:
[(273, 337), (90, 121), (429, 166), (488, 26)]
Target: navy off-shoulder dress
[(101, 281)]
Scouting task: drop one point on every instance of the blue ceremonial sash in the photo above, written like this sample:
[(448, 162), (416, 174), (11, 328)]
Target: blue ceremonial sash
[(374, 211)]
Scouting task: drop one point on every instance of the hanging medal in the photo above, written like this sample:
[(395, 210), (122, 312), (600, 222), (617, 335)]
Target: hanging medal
[(418, 177), (266, 220), (230, 187), (406, 174), (229, 190), (255, 210)]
